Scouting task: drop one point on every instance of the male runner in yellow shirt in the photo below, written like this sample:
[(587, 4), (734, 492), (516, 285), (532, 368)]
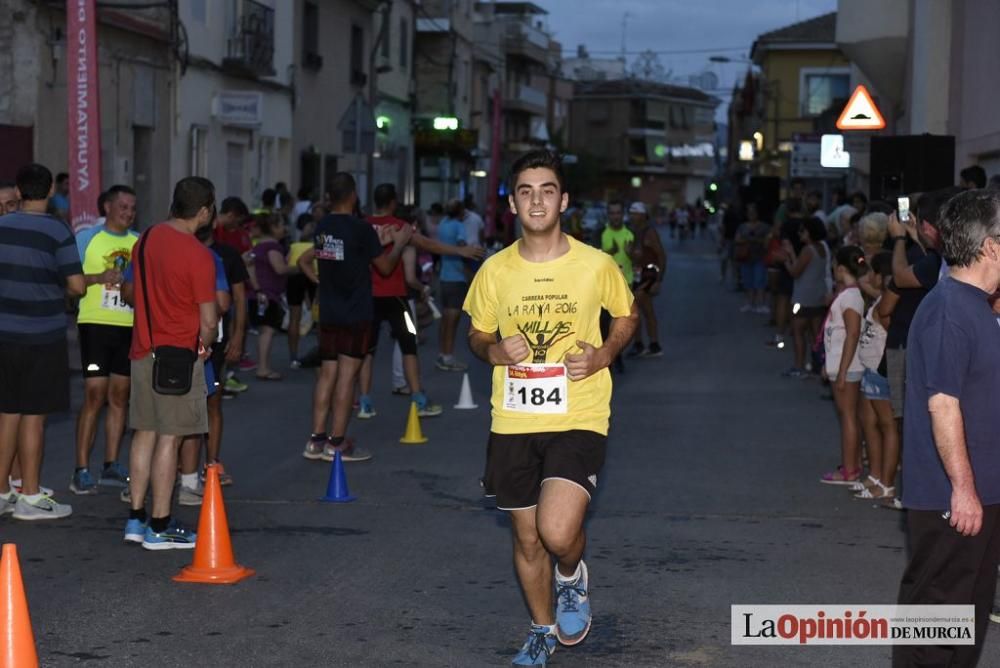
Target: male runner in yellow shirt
[(105, 325), (535, 309)]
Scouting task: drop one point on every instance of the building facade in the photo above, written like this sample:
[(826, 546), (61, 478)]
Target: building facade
[(488, 77), (233, 97), (136, 59), (584, 67), (803, 82), (446, 154), (395, 95), (929, 66), (655, 142), (333, 120), (529, 67)]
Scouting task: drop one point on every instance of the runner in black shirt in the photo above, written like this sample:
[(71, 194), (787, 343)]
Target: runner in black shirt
[(344, 247)]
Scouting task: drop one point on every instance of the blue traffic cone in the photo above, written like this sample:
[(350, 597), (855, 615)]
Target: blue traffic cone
[(336, 489)]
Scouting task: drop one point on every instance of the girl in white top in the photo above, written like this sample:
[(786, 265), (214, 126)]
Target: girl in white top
[(877, 420), (841, 336)]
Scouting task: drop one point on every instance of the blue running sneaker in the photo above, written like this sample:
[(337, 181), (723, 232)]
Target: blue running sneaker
[(573, 608), (83, 483), (114, 476), (424, 406), (538, 647), (365, 409), (175, 537), (135, 531)]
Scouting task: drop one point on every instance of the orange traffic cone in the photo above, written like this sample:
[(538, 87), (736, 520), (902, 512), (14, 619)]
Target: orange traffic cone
[(17, 642), (213, 552), (413, 435)]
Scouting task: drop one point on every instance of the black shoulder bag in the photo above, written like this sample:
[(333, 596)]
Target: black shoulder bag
[(173, 367)]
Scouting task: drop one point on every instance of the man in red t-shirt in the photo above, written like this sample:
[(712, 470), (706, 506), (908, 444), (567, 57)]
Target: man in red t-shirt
[(232, 228), (391, 305), (173, 290)]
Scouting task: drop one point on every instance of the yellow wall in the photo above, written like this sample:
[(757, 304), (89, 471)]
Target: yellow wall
[(781, 69)]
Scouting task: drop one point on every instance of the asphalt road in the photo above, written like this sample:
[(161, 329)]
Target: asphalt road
[(709, 498)]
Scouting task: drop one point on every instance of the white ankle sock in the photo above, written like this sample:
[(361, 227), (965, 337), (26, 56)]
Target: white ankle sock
[(189, 480), (573, 578)]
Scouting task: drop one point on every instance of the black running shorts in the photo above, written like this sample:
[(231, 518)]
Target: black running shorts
[(273, 316), (353, 340), (218, 362), (394, 310), (34, 379), (104, 350), (453, 294), (299, 287), (518, 464)]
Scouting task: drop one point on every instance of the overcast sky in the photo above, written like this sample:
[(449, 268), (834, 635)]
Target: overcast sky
[(722, 27)]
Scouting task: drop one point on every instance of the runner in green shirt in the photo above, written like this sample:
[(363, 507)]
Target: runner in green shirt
[(617, 240)]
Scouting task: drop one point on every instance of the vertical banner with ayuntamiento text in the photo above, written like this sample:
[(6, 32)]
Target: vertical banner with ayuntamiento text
[(83, 112)]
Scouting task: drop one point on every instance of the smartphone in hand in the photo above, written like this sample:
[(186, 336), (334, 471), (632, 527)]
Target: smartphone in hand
[(903, 207)]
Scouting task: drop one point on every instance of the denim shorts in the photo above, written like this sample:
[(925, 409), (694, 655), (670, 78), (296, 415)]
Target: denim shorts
[(754, 275), (875, 386)]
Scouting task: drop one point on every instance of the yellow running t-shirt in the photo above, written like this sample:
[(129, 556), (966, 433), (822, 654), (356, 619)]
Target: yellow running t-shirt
[(297, 250), (553, 305), (101, 250), (618, 241)]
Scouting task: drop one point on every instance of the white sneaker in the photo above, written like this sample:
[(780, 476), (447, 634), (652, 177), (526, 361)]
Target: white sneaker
[(190, 497), (348, 452), (314, 450), (15, 484), (7, 503), (762, 310), (45, 508), (746, 308)]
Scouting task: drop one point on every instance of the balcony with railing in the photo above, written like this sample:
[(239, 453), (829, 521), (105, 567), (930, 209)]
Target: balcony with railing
[(527, 99), (250, 48), (526, 40)]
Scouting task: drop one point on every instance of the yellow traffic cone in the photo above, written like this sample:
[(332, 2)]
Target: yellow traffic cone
[(413, 435)]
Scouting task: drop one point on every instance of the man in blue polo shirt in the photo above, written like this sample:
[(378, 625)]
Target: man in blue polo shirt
[(951, 462), (42, 266)]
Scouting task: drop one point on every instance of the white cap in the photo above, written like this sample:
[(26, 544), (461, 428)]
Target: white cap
[(637, 207)]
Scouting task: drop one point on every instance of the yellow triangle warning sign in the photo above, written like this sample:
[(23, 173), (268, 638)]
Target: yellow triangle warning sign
[(861, 112)]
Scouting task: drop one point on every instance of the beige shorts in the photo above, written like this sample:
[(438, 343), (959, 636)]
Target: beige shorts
[(168, 415)]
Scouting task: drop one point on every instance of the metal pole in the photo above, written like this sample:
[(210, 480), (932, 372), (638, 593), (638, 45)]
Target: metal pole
[(777, 113), (494, 175), (373, 92)]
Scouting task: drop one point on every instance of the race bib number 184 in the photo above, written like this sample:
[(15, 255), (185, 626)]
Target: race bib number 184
[(536, 388)]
